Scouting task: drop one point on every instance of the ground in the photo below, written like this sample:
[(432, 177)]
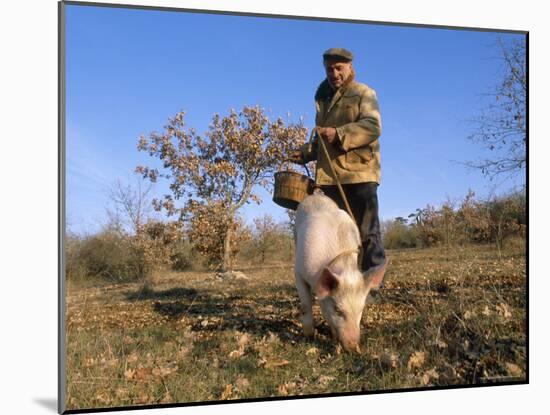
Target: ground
[(446, 316)]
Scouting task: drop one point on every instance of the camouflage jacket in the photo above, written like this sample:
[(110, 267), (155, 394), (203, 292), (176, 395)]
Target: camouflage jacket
[(353, 111)]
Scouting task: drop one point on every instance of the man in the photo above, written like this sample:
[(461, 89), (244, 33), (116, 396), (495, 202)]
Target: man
[(348, 120)]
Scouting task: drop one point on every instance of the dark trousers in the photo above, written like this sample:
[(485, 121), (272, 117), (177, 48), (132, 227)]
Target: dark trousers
[(363, 201)]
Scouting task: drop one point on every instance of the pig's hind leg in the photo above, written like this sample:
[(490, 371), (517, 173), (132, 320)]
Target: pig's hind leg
[(306, 312)]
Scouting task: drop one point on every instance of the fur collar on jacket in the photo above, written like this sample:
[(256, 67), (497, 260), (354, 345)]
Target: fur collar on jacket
[(325, 91)]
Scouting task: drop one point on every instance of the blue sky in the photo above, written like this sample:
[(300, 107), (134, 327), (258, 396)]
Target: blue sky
[(129, 70)]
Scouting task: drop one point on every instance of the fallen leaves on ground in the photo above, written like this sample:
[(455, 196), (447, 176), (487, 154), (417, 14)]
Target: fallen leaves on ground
[(504, 310), (312, 351), (227, 392), (164, 371), (325, 380), (445, 319), (276, 363), (430, 376), (242, 383), (242, 342), (287, 388), (389, 359), (416, 361), (513, 369)]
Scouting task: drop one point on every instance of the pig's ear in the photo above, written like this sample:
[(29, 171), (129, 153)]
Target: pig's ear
[(375, 275), (327, 283)]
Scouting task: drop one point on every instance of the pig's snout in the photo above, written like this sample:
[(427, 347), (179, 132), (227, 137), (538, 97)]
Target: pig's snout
[(350, 342)]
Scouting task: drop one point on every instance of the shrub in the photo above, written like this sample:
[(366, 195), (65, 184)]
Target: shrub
[(153, 246), (75, 267), (118, 256), (397, 234), (183, 258), (103, 255)]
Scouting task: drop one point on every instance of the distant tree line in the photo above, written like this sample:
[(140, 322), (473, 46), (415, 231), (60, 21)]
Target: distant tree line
[(471, 220), (118, 254)]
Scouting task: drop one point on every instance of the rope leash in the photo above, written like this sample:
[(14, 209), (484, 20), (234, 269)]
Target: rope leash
[(340, 255), (340, 189)]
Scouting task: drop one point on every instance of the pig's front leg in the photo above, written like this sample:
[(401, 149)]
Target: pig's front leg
[(306, 313)]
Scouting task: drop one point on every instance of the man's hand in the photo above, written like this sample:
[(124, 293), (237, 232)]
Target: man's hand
[(328, 134), (297, 157)]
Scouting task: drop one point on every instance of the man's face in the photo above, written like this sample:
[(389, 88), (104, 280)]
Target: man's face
[(337, 72)]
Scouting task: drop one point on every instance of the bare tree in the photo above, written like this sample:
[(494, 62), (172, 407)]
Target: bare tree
[(132, 205), (265, 235), (502, 125)]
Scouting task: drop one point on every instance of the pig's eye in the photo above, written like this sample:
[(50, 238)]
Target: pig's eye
[(339, 312)]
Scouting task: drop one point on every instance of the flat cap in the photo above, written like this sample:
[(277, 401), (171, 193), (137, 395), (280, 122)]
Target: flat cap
[(338, 53)]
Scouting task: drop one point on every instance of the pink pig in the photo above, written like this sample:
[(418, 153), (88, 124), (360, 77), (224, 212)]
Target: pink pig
[(327, 245)]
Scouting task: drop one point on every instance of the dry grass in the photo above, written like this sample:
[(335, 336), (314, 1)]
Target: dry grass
[(447, 317)]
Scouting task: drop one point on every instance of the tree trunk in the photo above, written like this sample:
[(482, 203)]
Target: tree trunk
[(226, 265), (499, 240)]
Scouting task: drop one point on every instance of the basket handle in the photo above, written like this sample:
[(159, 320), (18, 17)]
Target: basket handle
[(311, 136), (290, 161)]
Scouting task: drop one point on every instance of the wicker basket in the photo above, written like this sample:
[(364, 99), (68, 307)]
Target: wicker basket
[(291, 188)]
